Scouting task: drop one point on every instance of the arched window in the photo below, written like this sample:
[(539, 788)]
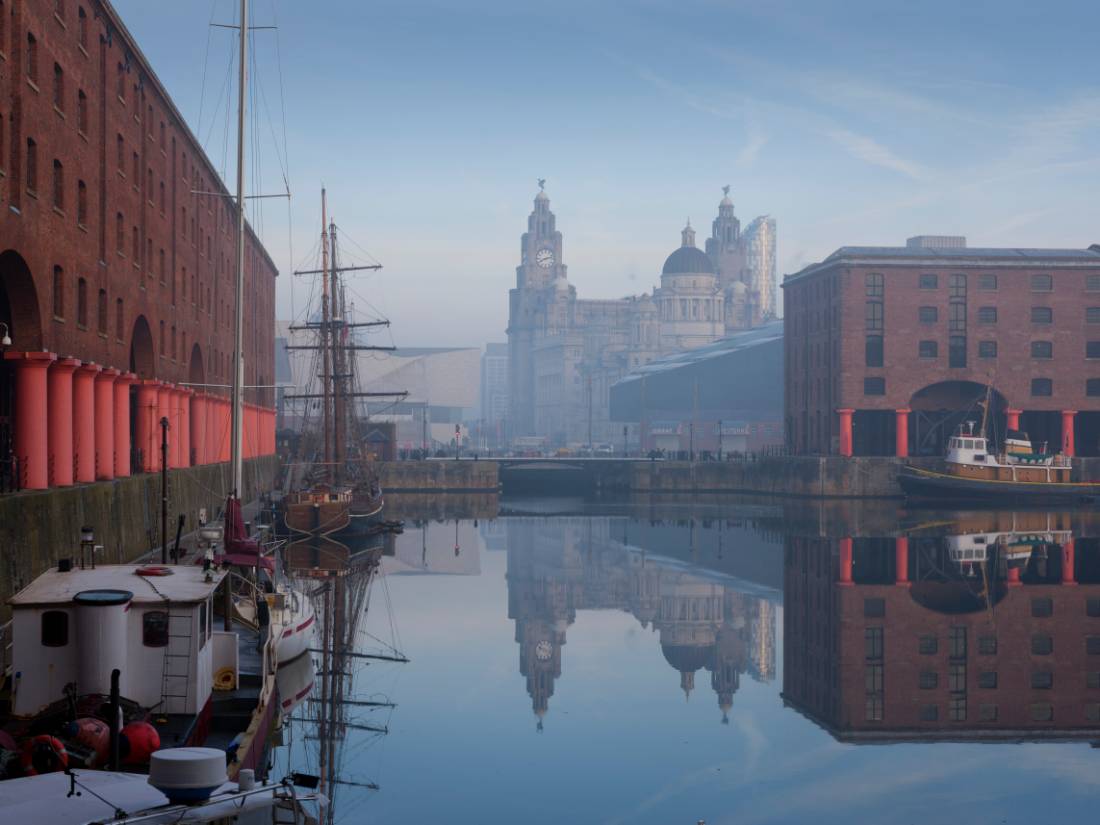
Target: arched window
[(161, 267), (120, 234), (58, 185), (101, 312), (81, 112), (82, 302), (55, 628), (81, 203), (58, 87), (135, 245), (32, 165), (174, 352), (120, 149), (32, 58), (162, 197), (120, 319), (82, 32), (162, 339), (58, 292), (120, 87), (149, 184)]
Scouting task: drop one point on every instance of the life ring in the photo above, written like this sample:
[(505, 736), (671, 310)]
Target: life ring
[(225, 678), (154, 570), (43, 754)]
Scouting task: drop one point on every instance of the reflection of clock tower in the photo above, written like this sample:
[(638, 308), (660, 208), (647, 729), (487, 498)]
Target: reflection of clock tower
[(536, 305), (539, 661)]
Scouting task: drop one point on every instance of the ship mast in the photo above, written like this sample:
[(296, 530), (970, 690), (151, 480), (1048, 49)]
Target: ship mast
[(326, 354), (238, 320), (340, 364)]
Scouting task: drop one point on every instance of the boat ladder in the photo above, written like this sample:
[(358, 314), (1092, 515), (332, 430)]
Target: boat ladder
[(176, 683)]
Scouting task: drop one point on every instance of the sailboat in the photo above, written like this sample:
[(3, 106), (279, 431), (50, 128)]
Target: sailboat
[(334, 506), (119, 666)]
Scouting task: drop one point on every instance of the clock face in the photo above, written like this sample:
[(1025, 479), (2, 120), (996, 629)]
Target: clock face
[(545, 258), (543, 650)]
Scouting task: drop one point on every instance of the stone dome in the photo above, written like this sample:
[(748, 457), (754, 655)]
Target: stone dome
[(687, 658), (688, 260)]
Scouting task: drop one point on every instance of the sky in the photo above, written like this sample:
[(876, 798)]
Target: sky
[(429, 121)]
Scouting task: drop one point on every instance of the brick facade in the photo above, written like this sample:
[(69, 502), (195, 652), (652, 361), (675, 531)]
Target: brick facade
[(958, 318), (104, 238)]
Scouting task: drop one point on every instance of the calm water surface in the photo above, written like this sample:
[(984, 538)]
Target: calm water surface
[(731, 662)]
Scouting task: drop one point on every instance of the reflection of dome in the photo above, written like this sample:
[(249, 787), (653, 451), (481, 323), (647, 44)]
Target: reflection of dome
[(686, 658), (541, 196), (688, 260)]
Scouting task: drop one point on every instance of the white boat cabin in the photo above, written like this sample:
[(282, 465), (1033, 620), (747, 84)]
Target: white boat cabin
[(78, 625), (969, 449)]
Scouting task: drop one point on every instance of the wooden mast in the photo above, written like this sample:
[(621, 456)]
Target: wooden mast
[(339, 361), (326, 371), (236, 463)]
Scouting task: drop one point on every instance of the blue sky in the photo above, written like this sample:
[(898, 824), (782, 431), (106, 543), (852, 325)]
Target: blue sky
[(852, 122)]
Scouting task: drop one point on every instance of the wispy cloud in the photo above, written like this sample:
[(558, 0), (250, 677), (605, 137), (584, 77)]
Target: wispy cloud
[(871, 151)]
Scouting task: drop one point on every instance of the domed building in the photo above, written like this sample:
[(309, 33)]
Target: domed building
[(564, 353)]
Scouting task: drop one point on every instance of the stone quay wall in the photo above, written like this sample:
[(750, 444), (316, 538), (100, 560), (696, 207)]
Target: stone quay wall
[(443, 475), (38, 527)]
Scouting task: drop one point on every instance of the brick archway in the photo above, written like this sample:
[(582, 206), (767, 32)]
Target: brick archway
[(940, 408), (196, 373), (19, 302), (143, 360)]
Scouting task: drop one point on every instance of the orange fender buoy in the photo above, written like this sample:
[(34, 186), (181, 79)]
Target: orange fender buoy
[(138, 740), (43, 754), (154, 570)]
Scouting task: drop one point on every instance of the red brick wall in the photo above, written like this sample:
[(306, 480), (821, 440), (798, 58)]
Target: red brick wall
[(193, 294)]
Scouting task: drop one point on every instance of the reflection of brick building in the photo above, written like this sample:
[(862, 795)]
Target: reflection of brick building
[(887, 347), (111, 260), (893, 639)]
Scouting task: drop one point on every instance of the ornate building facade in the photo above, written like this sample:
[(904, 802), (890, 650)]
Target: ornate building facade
[(565, 352)]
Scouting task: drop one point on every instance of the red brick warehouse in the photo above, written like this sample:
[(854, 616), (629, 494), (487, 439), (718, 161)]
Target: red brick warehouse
[(889, 349), (116, 271)]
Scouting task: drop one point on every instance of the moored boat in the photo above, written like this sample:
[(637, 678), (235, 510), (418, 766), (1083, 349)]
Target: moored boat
[(974, 469)]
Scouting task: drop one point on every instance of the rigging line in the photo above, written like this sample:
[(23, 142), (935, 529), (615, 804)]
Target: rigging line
[(205, 64)]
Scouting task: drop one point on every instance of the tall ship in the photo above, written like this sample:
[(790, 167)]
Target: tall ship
[(332, 501), (123, 699)]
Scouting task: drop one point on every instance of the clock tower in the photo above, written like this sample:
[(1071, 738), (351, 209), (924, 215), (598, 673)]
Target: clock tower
[(537, 305)]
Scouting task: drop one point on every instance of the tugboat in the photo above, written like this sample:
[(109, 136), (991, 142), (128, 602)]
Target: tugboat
[(976, 470)]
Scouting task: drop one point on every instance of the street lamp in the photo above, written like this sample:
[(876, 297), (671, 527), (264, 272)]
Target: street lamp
[(5, 341)]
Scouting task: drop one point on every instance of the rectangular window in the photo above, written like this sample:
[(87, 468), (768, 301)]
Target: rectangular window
[(957, 287), (1042, 349), (987, 282), (1092, 315), (1092, 283), (928, 315), (1042, 680), (874, 386), (1092, 349), (987, 315), (929, 680), (873, 709), (1042, 712), (55, 628), (956, 677), (58, 87), (81, 203), (956, 709), (874, 608), (1042, 644), (1042, 283), (873, 678), (1092, 645), (873, 351), (101, 312), (32, 58), (1042, 387), (987, 713), (872, 642), (82, 112), (1092, 387), (929, 281), (928, 349), (987, 645), (1042, 608), (956, 353), (154, 629), (1042, 315), (957, 643), (1092, 680), (120, 318), (58, 292), (956, 317), (58, 185), (32, 166), (929, 713), (1092, 608), (927, 645), (987, 349), (873, 315), (987, 679)]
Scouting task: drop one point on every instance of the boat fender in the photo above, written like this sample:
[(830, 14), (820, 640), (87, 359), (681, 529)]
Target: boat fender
[(43, 754), (137, 741), (92, 734), (225, 678), (154, 570)]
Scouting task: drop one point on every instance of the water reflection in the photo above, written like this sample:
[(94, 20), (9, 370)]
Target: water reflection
[(703, 621), (982, 628)]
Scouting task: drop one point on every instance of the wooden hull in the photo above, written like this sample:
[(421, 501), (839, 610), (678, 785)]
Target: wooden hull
[(926, 484), (317, 519)]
